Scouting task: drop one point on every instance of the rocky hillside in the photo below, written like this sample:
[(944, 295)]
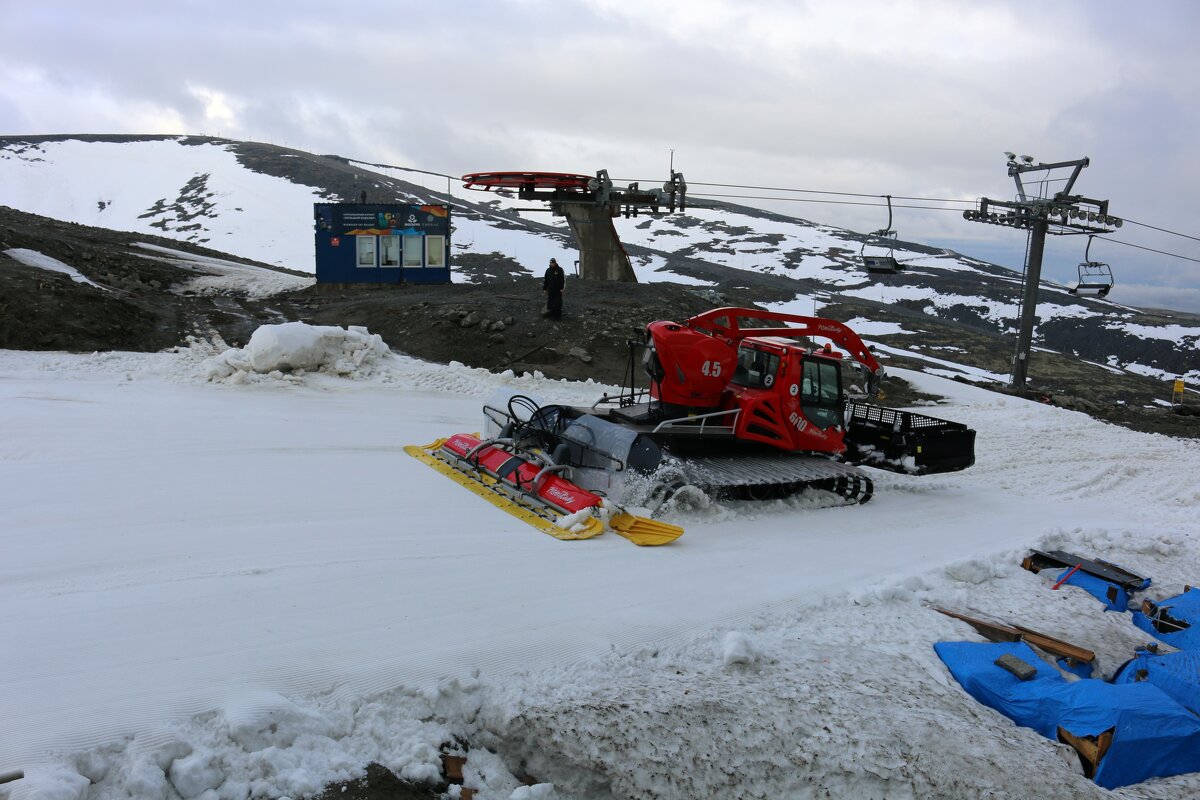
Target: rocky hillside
[(109, 290)]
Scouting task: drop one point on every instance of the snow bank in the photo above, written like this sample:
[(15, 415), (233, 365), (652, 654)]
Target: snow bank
[(296, 348), (32, 258)]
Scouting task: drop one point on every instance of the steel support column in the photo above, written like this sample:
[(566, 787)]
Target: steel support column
[(1033, 275)]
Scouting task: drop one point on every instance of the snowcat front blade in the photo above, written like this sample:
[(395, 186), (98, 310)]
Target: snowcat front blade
[(643, 531), (491, 490)]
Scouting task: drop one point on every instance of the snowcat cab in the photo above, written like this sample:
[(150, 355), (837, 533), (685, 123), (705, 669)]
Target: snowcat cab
[(787, 396)]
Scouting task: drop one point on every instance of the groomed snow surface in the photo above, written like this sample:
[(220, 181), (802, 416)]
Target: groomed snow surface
[(223, 578)]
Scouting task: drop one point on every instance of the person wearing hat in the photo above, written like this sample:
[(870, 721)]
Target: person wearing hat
[(553, 284)]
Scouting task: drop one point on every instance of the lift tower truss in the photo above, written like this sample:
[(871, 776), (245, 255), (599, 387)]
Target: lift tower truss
[(1035, 210)]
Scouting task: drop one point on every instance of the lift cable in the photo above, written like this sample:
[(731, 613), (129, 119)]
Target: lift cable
[(410, 169), (828, 202), (933, 208), (813, 191), (1150, 249), (845, 202), (1161, 230), (831, 192), (864, 194)]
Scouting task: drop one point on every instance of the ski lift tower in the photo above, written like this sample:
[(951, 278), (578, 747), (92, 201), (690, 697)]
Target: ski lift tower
[(589, 204), (1041, 213)]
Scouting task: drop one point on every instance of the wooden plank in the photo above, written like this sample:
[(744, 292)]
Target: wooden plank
[(993, 631), (452, 767), (999, 632), (1091, 749), (1056, 646)]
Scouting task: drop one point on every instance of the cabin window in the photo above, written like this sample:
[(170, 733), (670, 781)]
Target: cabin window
[(435, 251), (389, 251), (756, 368), (366, 250), (413, 247)]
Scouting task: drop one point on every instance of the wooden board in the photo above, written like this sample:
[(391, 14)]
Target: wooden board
[(1091, 749), (1000, 632)]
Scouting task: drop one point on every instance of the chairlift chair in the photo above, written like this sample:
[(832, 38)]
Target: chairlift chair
[(881, 263), (1095, 277)]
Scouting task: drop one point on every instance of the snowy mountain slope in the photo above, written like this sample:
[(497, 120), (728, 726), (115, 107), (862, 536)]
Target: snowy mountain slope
[(254, 200), (248, 587), (196, 192)]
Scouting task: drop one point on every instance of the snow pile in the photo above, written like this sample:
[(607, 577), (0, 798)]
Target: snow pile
[(32, 258), (738, 648), (296, 348)]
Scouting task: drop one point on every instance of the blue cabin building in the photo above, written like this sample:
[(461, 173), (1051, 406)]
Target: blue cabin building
[(382, 243)]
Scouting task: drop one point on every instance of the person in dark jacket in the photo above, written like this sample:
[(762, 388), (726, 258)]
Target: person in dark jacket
[(553, 284)]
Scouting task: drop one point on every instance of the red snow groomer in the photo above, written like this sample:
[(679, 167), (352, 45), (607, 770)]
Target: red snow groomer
[(731, 409)]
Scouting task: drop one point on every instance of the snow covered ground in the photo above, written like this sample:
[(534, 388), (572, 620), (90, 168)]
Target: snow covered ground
[(221, 580)]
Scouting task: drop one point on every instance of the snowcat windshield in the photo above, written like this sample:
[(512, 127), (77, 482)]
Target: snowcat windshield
[(756, 368)]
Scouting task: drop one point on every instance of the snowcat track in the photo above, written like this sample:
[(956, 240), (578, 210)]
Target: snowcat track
[(763, 477)]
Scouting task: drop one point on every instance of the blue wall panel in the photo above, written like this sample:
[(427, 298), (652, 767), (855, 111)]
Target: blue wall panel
[(339, 225)]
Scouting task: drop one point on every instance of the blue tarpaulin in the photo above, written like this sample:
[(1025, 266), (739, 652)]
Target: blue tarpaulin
[(1114, 597), (1153, 735), (1184, 607), (1177, 674)]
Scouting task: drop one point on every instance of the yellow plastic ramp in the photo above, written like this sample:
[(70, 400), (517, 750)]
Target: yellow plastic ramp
[(643, 531), (492, 490)]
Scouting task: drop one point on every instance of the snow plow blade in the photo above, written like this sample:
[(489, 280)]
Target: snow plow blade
[(643, 531), (491, 490)]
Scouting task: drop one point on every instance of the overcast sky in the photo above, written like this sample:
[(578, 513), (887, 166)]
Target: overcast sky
[(916, 98)]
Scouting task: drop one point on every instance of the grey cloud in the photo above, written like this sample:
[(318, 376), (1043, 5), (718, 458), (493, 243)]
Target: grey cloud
[(536, 84)]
